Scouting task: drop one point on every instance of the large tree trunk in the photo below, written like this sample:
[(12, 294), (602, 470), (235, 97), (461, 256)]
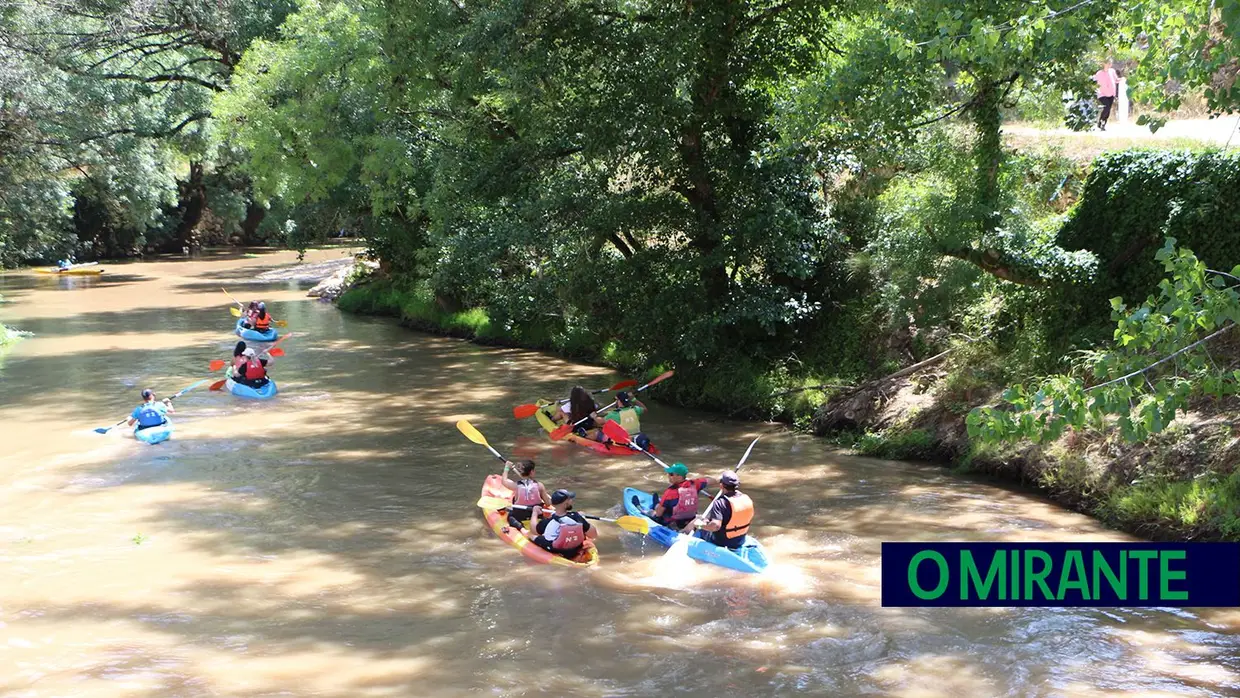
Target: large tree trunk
[(988, 157), (190, 207), (254, 215)]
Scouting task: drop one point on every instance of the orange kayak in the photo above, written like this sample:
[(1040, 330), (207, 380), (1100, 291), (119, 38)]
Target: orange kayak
[(497, 519)]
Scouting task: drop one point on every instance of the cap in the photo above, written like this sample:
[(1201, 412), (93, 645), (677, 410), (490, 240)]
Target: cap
[(559, 496), (729, 477), (262, 305), (623, 398), (248, 352), (677, 469), (148, 394)]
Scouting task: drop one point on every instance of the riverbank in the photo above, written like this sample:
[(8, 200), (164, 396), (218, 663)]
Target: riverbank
[(1182, 484)]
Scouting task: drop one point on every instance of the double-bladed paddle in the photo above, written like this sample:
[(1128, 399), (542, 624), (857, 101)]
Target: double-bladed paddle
[(523, 411), (617, 433), (217, 364), (636, 524), (681, 547), (564, 429), (104, 430), (476, 436)]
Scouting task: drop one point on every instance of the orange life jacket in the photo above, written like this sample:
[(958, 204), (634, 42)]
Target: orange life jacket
[(742, 515), (570, 535), (262, 322), (255, 370)]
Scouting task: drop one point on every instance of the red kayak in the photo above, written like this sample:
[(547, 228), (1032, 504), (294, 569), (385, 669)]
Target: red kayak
[(605, 449)]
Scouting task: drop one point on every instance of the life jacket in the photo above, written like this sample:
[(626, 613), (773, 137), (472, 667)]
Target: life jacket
[(686, 502), (629, 420), (262, 322), (742, 515), (571, 534), (527, 493), (149, 415), (254, 369)]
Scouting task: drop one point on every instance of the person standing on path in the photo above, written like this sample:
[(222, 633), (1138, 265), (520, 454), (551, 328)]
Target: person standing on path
[(1107, 81)]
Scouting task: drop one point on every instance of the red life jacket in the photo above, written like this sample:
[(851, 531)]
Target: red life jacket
[(262, 322), (686, 502), (254, 369), (527, 493), (570, 536)]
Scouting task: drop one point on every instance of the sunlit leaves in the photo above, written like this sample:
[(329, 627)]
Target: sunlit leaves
[(1158, 362)]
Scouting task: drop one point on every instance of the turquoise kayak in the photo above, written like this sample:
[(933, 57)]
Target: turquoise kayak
[(255, 336), (750, 557), (154, 435), (266, 392)]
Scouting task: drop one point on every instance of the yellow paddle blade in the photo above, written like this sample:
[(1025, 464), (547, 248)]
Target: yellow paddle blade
[(236, 312), (544, 420), (636, 524), (471, 433), (494, 503), (281, 323)]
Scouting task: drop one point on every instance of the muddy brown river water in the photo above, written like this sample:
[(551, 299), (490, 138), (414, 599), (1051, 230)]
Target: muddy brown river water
[(326, 543)]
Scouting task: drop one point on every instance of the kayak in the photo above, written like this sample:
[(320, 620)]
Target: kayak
[(254, 335), (154, 435), (71, 271), (751, 557), (241, 390), (605, 449), (498, 521)]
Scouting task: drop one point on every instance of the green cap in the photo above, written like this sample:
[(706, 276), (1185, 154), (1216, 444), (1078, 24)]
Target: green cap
[(677, 469)]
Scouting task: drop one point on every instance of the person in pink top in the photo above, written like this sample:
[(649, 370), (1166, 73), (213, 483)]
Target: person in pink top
[(1108, 82)]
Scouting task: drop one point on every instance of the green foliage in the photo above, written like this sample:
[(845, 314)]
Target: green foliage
[(1133, 199), (1208, 503), (907, 444), (1156, 363)]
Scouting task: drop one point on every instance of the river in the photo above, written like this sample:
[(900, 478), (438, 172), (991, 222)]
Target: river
[(326, 543)]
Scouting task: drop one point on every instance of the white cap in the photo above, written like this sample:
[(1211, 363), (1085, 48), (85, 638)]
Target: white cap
[(248, 352)]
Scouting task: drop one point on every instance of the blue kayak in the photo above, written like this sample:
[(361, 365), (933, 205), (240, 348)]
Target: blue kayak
[(751, 557), (154, 435), (240, 390), (255, 336)]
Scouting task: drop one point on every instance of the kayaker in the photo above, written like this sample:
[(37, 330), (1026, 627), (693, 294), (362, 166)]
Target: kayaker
[(253, 372), (151, 413), (238, 357), (247, 315), (566, 532), (262, 321), (582, 407), (529, 492), (628, 414), (679, 503), (727, 522)]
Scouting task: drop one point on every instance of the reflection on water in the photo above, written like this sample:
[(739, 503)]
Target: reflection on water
[(327, 543)]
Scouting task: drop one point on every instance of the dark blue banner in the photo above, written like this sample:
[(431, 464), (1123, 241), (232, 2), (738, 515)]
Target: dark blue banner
[(1061, 574)]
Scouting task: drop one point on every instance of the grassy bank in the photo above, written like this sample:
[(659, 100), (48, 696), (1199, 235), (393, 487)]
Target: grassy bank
[(1181, 484)]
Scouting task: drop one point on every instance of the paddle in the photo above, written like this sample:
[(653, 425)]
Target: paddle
[(236, 312), (636, 524), (616, 433), (217, 364), (681, 546), (523, 411), (563, 430), (104, 430), (476, 436)]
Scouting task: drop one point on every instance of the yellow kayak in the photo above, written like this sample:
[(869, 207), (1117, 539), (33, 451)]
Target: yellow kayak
[(71, 271)]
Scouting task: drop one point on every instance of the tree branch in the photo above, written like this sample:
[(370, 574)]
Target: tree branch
[(197, 116), (1163, 360)]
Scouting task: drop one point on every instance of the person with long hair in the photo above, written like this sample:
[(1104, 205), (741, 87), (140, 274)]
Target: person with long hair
[(583, 409)]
